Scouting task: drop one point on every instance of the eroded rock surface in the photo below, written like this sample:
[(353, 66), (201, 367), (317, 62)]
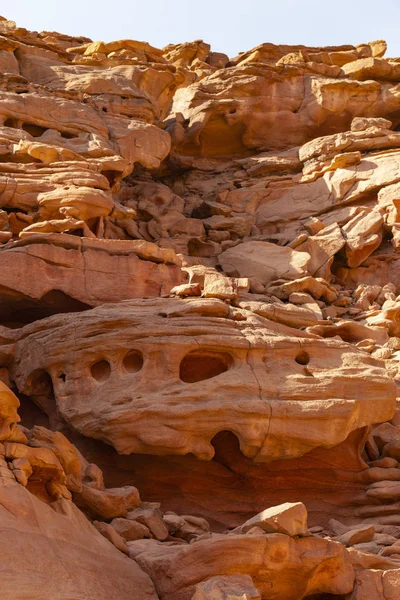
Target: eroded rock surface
[(199, 321), (165, 376)]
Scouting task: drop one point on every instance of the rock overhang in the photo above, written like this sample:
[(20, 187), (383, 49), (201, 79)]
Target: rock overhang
[(164, 376)]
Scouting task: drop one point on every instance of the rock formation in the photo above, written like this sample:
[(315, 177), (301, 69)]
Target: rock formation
[(199, 321)]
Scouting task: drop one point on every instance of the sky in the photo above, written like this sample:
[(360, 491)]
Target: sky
[(230, 26)]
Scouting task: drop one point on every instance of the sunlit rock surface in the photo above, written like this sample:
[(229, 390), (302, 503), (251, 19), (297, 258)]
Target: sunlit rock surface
[(199, 321)]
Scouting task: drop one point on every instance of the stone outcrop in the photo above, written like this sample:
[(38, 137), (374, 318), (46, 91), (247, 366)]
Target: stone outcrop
[(49, 546), (304, 566), (199, 321), (74, 274), (280, 395)]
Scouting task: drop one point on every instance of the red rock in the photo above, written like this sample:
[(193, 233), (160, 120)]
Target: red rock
[(286, 518), (233, 587), (110, 534), (206, 369), (151, 517), (199, 267), (264, 261), (107, 504), (177, 570), (74, 273), (129, 529), (357, 536), (56, 551), (186, 289)]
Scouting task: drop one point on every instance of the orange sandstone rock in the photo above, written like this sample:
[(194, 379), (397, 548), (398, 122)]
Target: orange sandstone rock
[(199, 267)]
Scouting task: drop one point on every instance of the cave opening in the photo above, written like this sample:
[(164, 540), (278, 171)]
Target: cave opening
[(110, 176), (201, 365), (17, 309), (13, 123), (41, 393), (34, 130), (67, 136), (31, 414)]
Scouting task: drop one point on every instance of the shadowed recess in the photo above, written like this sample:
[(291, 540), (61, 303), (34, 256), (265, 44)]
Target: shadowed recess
[(201, 365), (17, 309), (133, 361), (101, 370)]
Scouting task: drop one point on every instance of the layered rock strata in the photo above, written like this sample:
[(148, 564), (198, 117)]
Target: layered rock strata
[(199, 321)]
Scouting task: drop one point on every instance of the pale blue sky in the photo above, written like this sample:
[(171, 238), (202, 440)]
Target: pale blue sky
[(230, 26)]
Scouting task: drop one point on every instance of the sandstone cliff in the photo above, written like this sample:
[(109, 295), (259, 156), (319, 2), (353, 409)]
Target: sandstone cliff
[(199, 321)]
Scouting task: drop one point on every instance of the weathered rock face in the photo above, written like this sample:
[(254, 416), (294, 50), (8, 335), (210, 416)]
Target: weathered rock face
[(166, 376), (49, 546), (55, 549), (199, 298), (75, 273), (276, 97), (269, 559)]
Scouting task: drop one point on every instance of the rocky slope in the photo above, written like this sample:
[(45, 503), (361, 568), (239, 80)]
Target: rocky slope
[(199, 321)]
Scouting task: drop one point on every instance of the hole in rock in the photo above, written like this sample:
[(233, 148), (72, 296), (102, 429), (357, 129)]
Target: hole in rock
[(223, 137), (30, 413), (227, 449), (41, 392), (17, 309), (57, 301), (303, 358), (67, 136), (101, 370), (110, 176), (11, 123), (34, 130), (93, 224), (203, 211), (394, 117), (41, 384), (201, 365), (133, 361)]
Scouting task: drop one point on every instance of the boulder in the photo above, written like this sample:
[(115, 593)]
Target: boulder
[(175, 368), (264, 261), (304, 566), (233, 587), (288, 518)]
